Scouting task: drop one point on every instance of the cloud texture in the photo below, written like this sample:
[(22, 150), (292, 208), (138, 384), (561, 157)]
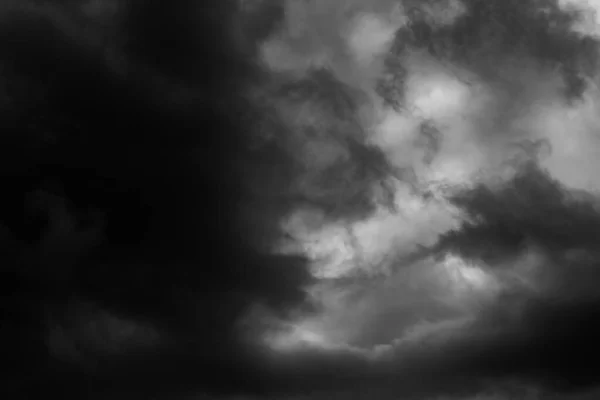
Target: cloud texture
[(300, 199)]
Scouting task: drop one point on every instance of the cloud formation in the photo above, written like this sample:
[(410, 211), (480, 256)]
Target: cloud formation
[(300, 199)]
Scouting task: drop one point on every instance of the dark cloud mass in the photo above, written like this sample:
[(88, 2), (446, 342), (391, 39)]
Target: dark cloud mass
[(505, 220), (554, 326), (122, 192), (299, 199)]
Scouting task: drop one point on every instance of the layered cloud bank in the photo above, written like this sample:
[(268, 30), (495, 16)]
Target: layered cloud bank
[(301, 199)]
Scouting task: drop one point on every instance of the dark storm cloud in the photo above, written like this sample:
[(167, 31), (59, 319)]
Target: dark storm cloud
[(531, 209), (553, 326), (142, 198), (124, 191)]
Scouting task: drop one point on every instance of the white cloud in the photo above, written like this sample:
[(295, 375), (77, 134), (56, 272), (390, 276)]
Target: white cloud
[(370, 37), (590, 22)]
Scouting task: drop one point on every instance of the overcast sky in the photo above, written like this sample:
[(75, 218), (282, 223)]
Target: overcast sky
[(300, 199)]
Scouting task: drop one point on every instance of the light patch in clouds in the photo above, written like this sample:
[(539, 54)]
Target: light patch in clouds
[(330, 248), (349, 325), (438, 98), (463, 285), (466, 277), (294, 336), (452, 104), (435, 90), (589, 23), (479, 118), (573, 136), (369, 245), (371, 37), (439, 13), (381, 310), (348, 37)]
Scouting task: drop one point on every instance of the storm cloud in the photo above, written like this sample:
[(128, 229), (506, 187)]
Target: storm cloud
[(300, 199)]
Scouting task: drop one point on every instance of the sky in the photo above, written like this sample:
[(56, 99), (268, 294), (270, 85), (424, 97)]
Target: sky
[(300, 199)]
